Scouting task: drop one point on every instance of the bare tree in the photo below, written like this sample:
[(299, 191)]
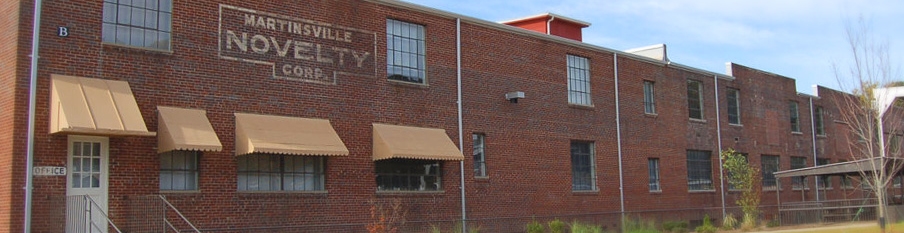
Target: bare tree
[(871, 115)]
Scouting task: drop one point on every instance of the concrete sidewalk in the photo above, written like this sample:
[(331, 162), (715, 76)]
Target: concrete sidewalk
[(822, 228)]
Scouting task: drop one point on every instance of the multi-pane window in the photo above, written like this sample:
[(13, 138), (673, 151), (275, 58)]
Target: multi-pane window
[(653, 166), (731, 175), (578, 80), (480, 159), (734, 106), (819, 121), (86, 167), (695, 99), (408, 175), (845, 179), (795, 117), (139, 23), (179, 170), (649, 97), (798, 182), (583, 177), (406, 52), (699, 170), (271, 172), (824, 181), (770, 165), (894, 145)]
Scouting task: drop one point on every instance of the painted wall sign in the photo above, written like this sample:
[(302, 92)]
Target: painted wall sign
[(296, 48), (49, 171)]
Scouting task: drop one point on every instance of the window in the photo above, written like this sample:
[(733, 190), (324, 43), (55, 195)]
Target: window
[(733, 187), (179, 170), (845, 179), (734, 106), (824, 181), (582, 167), (699, 170), (770, 165), (408, 175), (795, 117), (653, 165), (270, 172), (144, 23), (819, 121), (798, 182), (578, 80), (480, 159), (649, 97), (405, 55), (894, 145), (695, 99)]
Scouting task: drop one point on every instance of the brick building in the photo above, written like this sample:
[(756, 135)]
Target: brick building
[(304, 116)]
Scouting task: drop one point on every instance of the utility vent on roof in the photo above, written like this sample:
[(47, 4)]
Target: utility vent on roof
[(657, 52), (551, 24)]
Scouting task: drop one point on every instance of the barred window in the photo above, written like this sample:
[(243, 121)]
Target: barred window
[(406, 52), (845, 179), (699, 170), (271, 172), (798, 182), (653, 167), (770, 165), (695, 99), (649, 97), (820, 123), (734, 106), (480, 160), (179, 170), (824, 181), (408, 175), (138, 23), (795, 117), (583, 177), (578, 80)]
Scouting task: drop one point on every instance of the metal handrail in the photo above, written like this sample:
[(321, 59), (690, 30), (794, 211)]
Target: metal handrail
[(178, 213), (101, 211)]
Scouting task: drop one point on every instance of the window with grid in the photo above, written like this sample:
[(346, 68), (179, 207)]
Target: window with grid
[(770, 165), (583, 177), (578, 80), (653, 167), (819, 122), (734, 106), (138, 23), (271, 172), (649, 97), (795, 117), (845, 179), (824, 181), (699, 170), (695, 99), (798, 182), (894, 145), (408, 175), (731, 186), (480, 159), (406, 52), (179, 170)]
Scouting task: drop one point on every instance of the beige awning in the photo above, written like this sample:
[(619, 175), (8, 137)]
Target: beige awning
[(286, 135), (392, 141), (94, 106), (185, 129)]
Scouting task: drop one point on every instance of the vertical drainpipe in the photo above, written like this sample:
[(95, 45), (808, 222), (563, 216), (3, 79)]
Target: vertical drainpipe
[(33, 87), (548, 30), (461, 164), (813, 137), (621, 174), (719, 142)]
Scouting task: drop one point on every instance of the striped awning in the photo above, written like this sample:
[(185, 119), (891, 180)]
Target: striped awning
[(95, 107)]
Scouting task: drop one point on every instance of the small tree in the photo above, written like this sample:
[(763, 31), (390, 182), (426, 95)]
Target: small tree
[(747, 178)]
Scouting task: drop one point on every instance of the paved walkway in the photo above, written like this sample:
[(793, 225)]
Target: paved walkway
[(821, 228)]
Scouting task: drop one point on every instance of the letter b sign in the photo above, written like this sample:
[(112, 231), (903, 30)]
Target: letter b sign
[(63, 31)]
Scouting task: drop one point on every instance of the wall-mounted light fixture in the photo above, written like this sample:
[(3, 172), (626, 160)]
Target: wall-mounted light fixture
[(514, 96)]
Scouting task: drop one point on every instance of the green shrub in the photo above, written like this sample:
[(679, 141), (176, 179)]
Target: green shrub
[(577, 227), (535, 227), (707, 226), (675, 226), (640, 226), (730, 222), (773, 223), (556, 226)]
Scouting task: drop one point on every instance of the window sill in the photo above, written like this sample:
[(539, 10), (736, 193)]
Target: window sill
[(392, 192), (656, 192), (694, 120), (407, 84), (137, 49), (821, 136), (771, 190), (482, 178), (702, 191), (797, 133), (735, 125), (580, 106), (653, 115), (800, 189), (177, 192), (282, 192), (585, 192)]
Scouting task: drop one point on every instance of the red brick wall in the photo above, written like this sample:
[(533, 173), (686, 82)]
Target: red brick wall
[(12, 52)]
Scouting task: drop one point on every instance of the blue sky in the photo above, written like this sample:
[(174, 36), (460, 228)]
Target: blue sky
[(800, 39)]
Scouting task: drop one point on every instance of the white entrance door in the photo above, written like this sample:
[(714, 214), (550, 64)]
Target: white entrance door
[(86, 185)]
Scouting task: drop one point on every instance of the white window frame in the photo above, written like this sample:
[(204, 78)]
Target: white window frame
[(170, 171), (479, 155), (655, 183), (733, 99), (128, 24), (406, 52), (583, 159), (699, 171), (699, 96), (794, 112), (649, 97), (578, 80)]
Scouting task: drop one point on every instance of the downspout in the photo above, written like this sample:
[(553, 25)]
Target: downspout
[(813, 135), (32, 91), (548, 22), (719, 141), (621, 174), (461, 164)]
